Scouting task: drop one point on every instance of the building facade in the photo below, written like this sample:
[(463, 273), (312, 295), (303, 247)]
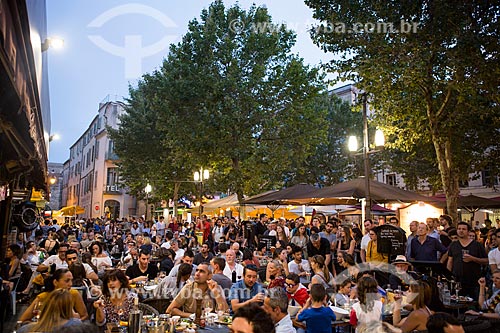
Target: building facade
[(90, 177), (24, 111)]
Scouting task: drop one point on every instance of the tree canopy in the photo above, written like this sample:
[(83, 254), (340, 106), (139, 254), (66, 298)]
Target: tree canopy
[(432, 78), (230, 97)]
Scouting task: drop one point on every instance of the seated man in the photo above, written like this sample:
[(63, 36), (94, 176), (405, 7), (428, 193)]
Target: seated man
[(204, 287), (297, 293), (246, 290), (59, 259), (186, 259), (143, 270), (252, 319), (72, 257), (402, 277), (204, 256), (276, 305), (491, 306)]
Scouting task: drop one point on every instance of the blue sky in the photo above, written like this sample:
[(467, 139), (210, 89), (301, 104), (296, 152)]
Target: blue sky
[(85, 71)]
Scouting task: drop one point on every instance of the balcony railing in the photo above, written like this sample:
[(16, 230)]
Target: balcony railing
[(111, 156)]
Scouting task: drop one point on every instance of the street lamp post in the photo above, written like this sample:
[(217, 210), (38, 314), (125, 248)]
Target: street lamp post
[(353, 146), (148, 190), (199, 177)]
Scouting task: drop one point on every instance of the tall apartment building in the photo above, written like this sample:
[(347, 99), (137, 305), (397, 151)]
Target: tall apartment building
[(90, 175)]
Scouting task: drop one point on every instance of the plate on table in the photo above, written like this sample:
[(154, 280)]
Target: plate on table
[(150, 287), (224, 320), (292, 310), (339, 312)]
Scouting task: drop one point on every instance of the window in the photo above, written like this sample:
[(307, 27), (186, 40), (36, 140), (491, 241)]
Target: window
[(489, 179), (112, 177), (390, 179)]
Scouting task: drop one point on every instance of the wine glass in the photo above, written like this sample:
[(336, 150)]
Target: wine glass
[(458, 287), (207, 307), (37, 310)]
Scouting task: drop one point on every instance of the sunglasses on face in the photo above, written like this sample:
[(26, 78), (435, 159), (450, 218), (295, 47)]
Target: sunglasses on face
[(290, 285)]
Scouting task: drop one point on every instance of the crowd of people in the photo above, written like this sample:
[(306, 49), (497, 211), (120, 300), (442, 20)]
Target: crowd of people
[(255, 270)]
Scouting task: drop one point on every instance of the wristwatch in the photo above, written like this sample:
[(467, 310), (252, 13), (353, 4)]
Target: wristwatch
[(480, 313)]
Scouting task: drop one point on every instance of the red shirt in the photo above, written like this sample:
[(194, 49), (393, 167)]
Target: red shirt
[(206, 231), (300, 296)]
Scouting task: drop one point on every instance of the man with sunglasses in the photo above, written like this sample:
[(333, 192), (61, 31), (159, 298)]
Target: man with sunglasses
[(58, 259), (296, 291)]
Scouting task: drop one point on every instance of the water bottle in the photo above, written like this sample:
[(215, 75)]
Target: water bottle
[(446, 295), (439, 285)]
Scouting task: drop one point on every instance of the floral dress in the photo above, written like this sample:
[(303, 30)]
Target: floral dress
[(114, 313)]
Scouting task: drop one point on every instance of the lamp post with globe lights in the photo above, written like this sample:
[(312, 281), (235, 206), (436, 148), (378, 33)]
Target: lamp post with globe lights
[(353, 147), (147, 190)]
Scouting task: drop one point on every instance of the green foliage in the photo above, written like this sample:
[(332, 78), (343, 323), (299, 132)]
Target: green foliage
[(229, 97), (436, 86)]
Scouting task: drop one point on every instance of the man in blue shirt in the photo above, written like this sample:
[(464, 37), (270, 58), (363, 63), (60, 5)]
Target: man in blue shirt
[(424, 247), (246, 290)]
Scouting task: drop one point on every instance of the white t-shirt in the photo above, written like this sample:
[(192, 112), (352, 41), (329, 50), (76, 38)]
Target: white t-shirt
[(229, 273), (54, 259), (166, 245), (178, 255), (364, 241), (364, 318), (494, 257), (293, 267)]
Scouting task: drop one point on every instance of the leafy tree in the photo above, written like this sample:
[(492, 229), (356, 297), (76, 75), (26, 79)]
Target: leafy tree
[(229, 97), (436, 83), (331, 162)]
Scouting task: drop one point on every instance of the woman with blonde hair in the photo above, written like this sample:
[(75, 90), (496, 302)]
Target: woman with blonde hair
[(57, 312)]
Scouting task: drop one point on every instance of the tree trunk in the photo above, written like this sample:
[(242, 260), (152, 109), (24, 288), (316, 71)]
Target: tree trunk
[(177, 185), (447, 169)]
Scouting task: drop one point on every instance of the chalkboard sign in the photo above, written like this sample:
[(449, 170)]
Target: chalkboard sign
[(390, 239), (267, 241)]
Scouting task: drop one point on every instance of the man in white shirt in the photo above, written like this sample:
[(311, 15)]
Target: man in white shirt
[(179, 253), (59, 259), (494, 255), (276, 305), (232, 266), (368, 223), (299, 266)]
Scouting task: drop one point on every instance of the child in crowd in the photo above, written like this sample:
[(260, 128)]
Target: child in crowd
[(369, 308), (315, 313)]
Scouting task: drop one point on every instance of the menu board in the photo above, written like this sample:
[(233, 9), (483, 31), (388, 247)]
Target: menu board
[(267, 241), (390, 239)]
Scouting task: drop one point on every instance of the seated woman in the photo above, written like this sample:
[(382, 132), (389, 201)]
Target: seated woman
[(12, 265), (56, 313), (418, 296), (60, 279), (274, 275), (170, 286), (99, 258), (117, 300), (321, 273), (249, 258), (346, 262)]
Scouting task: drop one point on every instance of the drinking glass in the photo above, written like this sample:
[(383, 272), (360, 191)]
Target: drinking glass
[(458, 287), (37, 310)]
